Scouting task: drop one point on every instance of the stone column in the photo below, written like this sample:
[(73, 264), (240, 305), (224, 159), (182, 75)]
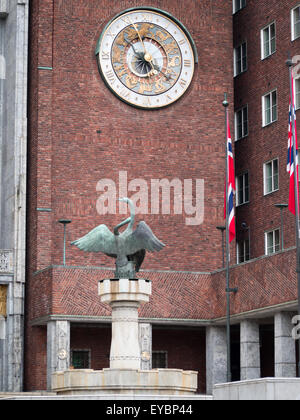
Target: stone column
[(125, 297), (285, 348), (250, 350), (2, 352), (58, 348), (125, 349), (216, 357), (146, 346)]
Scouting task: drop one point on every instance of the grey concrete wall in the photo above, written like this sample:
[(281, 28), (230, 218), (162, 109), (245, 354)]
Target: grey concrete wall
[(285, 346), (216, 357), (13, 157), (58, 348)]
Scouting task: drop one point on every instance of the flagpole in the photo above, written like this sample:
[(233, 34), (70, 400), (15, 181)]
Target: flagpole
[(226, 104), (290, 64)]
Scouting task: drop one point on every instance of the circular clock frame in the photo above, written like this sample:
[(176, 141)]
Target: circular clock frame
[(146, 57)]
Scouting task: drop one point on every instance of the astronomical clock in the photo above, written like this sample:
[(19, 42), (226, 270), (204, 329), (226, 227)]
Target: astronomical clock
[(146, 57)]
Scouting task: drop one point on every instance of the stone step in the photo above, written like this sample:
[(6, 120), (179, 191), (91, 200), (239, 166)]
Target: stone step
[(26, 395), (110, 397)]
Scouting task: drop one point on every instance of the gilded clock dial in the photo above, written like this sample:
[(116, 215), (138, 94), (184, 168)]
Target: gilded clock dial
[(146, 59)]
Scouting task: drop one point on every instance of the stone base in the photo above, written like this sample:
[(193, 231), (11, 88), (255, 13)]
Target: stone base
[(125, 382), (109, 397), (125, 297), (267, 389)]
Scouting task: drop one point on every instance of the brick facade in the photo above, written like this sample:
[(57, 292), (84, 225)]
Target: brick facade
[(264, 143), (80, 133), (68, 156)]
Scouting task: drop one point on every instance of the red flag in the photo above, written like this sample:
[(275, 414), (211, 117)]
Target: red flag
[(293, 198), (229, 200)]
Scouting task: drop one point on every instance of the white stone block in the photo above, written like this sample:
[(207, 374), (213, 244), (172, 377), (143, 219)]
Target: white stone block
[(6, 261), (4, 8), (2, 328), (266, 389)]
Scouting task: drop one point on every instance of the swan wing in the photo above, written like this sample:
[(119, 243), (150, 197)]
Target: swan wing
[(100, 239), (143, 238)]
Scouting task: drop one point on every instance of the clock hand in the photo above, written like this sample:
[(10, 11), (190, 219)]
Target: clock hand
[(147, 56), (137, 53), (168, 77), (137, 31)]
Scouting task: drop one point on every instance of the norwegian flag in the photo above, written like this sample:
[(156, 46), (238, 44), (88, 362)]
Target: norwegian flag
[(290, 158), (229, 200)]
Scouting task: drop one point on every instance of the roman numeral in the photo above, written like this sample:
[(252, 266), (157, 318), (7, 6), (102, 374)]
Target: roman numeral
[(182, 42), (126, 20), (183, 83), (147, 102), (187, 63), (110, 33), (111, 76), (105, 55), (125, 94), (169, 98), (147, 18)]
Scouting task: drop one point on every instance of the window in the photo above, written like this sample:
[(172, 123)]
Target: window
[(272, 241), (297, 93), (238, 5), (81, 359), (159, 360), (268, 41), (243, 189), (241, 123), (271, 176), (295, 18), (269, 105), (240, 59), (243, 251)]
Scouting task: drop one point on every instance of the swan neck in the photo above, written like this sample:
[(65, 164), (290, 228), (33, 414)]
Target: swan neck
[(132, 213)]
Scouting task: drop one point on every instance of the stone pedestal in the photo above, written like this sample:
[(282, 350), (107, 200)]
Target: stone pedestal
[(125, 377), (125, 297)]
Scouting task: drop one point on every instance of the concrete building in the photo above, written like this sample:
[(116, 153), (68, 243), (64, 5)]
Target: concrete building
[(81, 135), (13, 159)]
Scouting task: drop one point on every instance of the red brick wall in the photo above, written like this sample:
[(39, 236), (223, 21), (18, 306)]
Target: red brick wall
[(264, 144), (97, 340), (67, 157), (186, 350), (71, 103), (264, 282), (35, 372)]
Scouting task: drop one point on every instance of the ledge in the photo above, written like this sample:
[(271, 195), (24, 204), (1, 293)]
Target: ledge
[(125, 381)]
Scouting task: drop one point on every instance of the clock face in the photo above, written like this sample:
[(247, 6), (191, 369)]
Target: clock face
[(146, 58)]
